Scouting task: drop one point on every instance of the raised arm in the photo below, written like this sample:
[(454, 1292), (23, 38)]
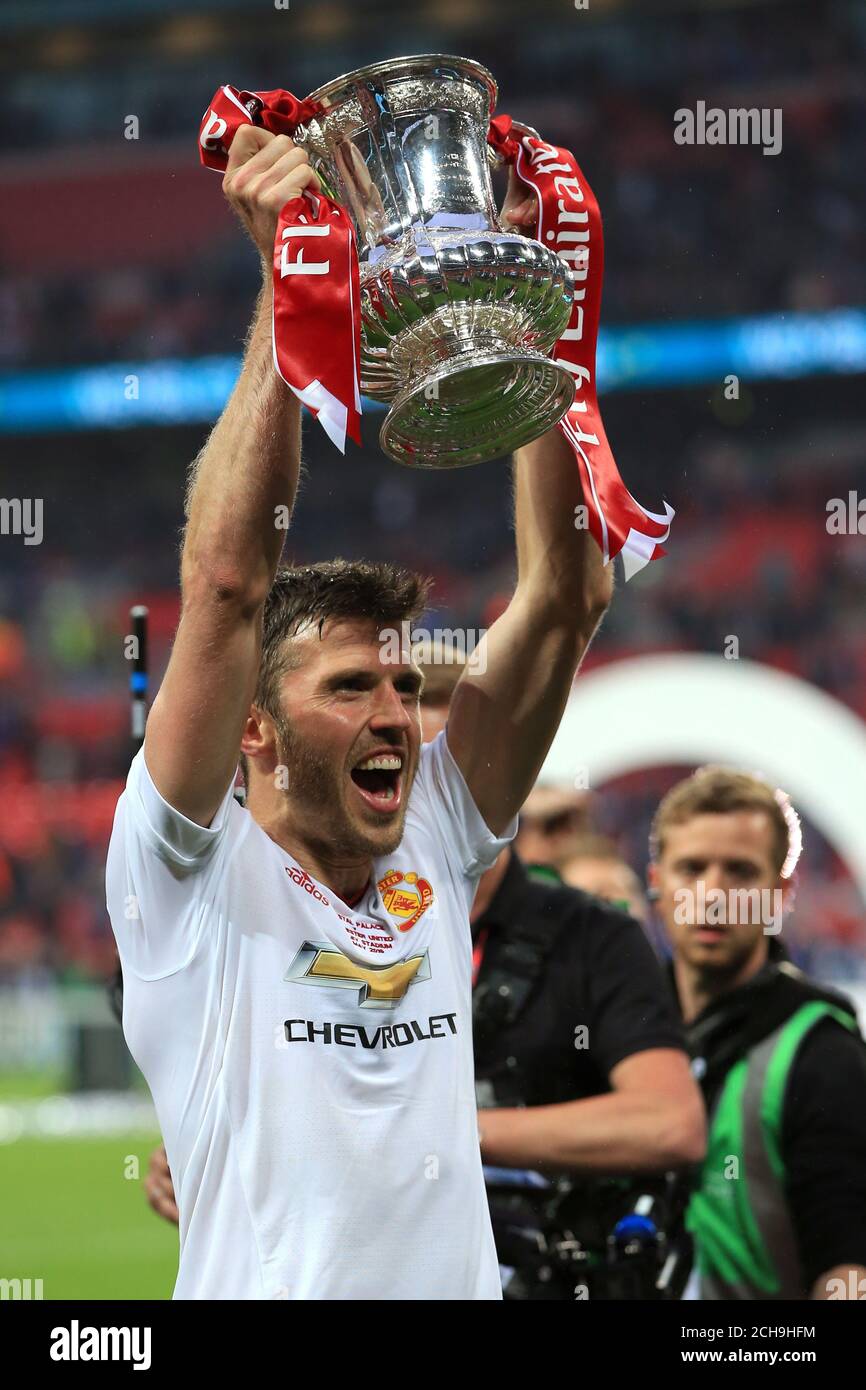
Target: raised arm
[(507, 708), (247, 470)]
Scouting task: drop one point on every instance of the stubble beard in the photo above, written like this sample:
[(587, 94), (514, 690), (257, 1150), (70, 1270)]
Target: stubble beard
[(317, 795), (715, 972)]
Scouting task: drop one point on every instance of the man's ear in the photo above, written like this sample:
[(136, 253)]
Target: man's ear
[(652, 881), (788, 888), (259, 736)]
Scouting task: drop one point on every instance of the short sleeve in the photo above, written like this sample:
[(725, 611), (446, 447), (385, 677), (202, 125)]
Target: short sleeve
[(631, 1005), (824, 1149), (165, 831), (458, 819), (159, 874)]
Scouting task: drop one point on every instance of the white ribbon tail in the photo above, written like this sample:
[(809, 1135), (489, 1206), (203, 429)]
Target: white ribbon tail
[(331, 414), (638, 547)]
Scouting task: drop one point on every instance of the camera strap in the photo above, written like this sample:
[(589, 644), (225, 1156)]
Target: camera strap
[(515, 954)]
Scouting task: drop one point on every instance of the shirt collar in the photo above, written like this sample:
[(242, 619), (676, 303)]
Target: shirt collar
[(733, 1001)]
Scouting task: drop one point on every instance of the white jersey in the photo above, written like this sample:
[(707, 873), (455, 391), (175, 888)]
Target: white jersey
[(310, 1063)]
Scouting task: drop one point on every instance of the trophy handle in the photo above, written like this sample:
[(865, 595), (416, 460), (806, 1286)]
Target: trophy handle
[(525, 129), (495, 159)]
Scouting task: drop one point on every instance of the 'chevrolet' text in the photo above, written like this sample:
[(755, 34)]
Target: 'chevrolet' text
[(356, 1035)]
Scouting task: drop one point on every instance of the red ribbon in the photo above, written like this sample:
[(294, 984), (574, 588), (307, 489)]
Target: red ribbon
[(569, 222), (317, 311), (317, 300), (478, 955)]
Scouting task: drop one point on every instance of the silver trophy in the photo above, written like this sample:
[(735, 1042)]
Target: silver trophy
[(457, 316)]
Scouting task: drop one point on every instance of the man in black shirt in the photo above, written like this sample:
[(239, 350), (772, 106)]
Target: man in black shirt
[(780, 1211), (583, 1085), (595, 1056)]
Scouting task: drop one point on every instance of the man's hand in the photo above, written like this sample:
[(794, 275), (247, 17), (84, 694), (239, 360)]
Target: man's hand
[(842, 1281), (520, 208), (159, 1188), (264, 172)]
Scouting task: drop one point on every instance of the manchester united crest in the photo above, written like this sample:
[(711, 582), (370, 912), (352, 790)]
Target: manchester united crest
[(405, 897)]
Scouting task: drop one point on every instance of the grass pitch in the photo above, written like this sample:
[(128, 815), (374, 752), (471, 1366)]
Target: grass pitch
[(73, 1214)]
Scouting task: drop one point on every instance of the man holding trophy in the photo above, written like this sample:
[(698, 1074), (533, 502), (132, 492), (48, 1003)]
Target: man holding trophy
[(298, 973)]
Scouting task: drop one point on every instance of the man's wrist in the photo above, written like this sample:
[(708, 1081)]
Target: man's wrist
[(488, 1122), (482, 1133)]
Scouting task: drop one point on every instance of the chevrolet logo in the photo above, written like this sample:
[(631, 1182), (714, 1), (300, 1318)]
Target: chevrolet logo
[(376, 987)]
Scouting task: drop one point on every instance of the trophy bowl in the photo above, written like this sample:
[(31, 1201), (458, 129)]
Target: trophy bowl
[(457, 315)]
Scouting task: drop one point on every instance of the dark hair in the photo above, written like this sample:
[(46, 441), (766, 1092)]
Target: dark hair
[(719, 790), (332, 589)]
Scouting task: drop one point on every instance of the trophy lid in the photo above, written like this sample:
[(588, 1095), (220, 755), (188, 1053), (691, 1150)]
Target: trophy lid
[(417, 65)]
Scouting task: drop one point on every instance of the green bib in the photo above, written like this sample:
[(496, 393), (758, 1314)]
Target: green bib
[(744, 1238)]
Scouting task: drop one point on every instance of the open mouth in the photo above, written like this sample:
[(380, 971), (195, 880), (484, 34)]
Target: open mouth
[(379, 781)]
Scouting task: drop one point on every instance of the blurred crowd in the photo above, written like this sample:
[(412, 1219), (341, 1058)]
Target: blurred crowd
[(691, 231), (751, 559)]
